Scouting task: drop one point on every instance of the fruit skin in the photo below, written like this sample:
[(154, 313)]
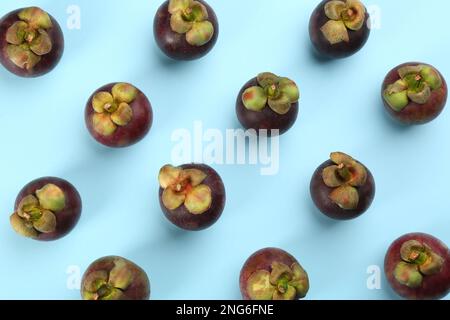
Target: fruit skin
[(414, 113), (66, 219), (48, 61), (183, 219), (340, 50), (262, 260), (435, 286), (320, 194), (267, 118), (174, 45), (130, 134), (140, 287)]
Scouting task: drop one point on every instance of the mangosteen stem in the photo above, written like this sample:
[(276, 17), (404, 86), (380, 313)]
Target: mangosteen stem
[(282, 285), (272, 90), (187, 15), (344, 172), (104, 291)]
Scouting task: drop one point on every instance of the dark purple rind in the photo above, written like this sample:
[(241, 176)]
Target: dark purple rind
[(320, 194), (262, 260), (48, 61), (267, 119), (139, 289), (173, 44), (414, 113), (66, 219), (435, 286), (130, 134), (340, 50), (182, 218)]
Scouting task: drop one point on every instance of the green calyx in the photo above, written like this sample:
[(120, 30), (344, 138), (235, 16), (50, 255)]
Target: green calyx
[(344, 176), (416, 84), (28, 39), (185, 187), (112, 109), (276, 92), (103, 285), (36, 213), (190, 17), (343, 16), (282, 283), (418, 262)]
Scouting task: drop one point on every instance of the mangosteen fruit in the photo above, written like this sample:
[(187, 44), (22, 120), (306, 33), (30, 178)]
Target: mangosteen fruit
[(191, 196), (342, 188), (268, 103), (31, 42), (46, 209)]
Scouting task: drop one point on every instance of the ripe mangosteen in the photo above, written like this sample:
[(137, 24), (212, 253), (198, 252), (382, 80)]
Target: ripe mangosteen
[(417, 267), (342, 188), (115, 278), (414, 93), (185, 29), (31, 42), (191, 196), (118, 115), (268, 102), (273, 274), (339, 29), (46, 209)]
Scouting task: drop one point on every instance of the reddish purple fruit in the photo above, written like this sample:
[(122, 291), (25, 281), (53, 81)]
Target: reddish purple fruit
[(191, 196), (46, 209), (115, 278), (31, 42), (414, 93), (342, 188), (118, 115), (185, 29), (339, 29), (417, 267), (268, 103), (273, 274)]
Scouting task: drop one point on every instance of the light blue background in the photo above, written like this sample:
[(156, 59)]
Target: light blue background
[(42, 133)]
